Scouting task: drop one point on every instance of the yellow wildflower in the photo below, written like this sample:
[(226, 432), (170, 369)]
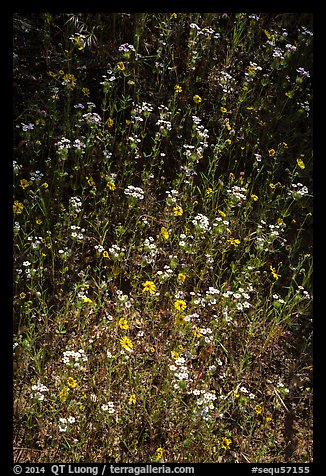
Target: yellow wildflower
[(24, 184), (196, 332), (179, 318), (121, 66), (226, 442), (197, 98), (180, 305), (71, 382), (149, 287), (159, 453), (111, 186), (110, 122), (178, 211), (178, 88), (132, 399), (181, 277), (90, 181), (126, 343), (123, 324), (40, 122), (165, 233), (69, 80), (274, 273), (63, 394), (300, 164), (18, 207), (234, 241)]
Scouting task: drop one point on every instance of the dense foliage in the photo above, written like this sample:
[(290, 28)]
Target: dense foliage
[(162, 237)]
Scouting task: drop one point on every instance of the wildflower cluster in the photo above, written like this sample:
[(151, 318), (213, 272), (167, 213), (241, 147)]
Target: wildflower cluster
[(108, 408), (180, 373), (165, 274), (267, 235), (204, 403), (134, 192), (298, 190), (116, 252), (74, 359), (144, 109), (201, 222), (39, 391), (237, 195), (126, 49), (124, 301), (91, 119), (108, 80), (164, 121), (65, 423), (150, 250)]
